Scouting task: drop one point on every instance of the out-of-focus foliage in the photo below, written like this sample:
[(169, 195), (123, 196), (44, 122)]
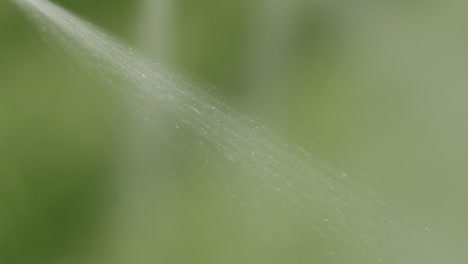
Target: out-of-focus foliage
[(376, 88)]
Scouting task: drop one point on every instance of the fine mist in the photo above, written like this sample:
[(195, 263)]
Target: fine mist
[(325, 204)]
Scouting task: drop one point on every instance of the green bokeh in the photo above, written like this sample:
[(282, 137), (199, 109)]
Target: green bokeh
[(375, 89)]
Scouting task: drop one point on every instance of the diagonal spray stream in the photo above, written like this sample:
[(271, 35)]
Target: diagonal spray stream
[(332, 205)]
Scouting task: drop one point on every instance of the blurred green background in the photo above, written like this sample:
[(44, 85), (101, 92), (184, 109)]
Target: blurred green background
[(375, 88)]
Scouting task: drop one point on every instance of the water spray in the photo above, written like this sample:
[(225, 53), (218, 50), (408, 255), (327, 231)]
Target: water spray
[(334, 208)]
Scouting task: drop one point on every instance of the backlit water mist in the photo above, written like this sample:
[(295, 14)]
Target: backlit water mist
[(336, 210)]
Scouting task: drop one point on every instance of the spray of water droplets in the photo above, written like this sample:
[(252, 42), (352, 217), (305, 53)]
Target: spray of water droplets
[(333, 205)]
